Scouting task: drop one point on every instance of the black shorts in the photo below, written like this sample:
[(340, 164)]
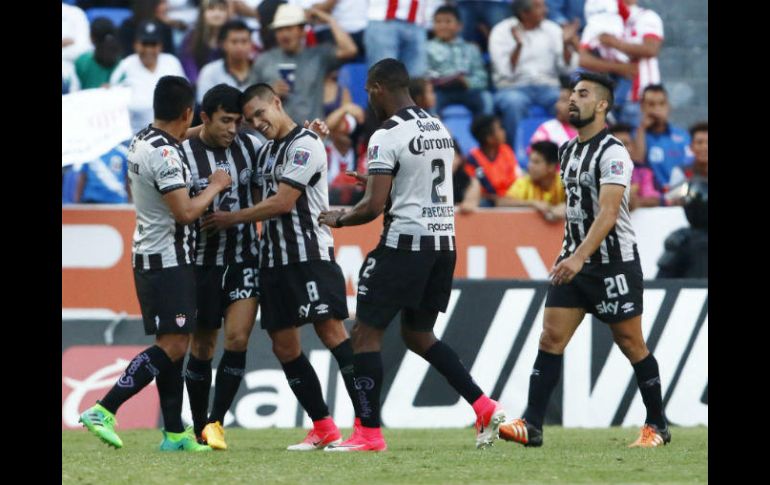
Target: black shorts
[(611, 292), (300, 293), (415, 283), (219, 286), (167, 299)]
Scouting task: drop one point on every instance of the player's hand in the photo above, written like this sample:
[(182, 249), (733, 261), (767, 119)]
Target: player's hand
[(221, 179), (281, 88), (218, 221), (360, 179), (317, 126), (608, 40), (331, 218), (563, 272)]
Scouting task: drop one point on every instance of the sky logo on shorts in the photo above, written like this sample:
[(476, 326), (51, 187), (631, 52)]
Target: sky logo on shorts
[(374, 153), (300, 158), (616, 167)]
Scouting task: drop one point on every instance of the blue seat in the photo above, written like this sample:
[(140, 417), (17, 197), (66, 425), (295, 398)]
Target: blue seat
[(117, 15), (524, 132), (457, 119), (353, 76), (69, 185)]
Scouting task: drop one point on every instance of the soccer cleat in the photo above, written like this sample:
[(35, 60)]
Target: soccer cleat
[(214, 435), (316, 440), (487, 426), (651, 437), (184, 441), (520, 431), (357, 442), (102, 423)]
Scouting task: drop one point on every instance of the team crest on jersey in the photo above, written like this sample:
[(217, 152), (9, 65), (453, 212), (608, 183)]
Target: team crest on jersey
[(300, 157), (374, 153), (244, 176), (616, 167), (586, 179)]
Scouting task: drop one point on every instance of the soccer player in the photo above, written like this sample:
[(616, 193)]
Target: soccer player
[(299, 281), (410, 271), (163, 250), (598, 270), (226, 265)]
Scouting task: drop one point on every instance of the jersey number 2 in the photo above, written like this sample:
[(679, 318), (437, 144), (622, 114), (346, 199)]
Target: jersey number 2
[(437, 180)]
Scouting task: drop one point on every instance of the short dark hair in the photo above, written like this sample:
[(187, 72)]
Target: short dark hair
[(221, 96), (608, 93), (172, 96), (389, 72), (700, 126), (417, 86), (518, 6), (260, 90), (482, 127), (621, 128), (548, 149), (232, 26), (654, 88), (449, 10)]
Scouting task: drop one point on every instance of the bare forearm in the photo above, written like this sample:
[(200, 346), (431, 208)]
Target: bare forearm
[(345, 45), (638, 50), (601, 226), (640, 145), (266, 209), (326, 6), (362, 213), (593, 63), (515, 56)]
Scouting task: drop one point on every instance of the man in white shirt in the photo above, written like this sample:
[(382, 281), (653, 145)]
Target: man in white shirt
[(142, 70), (75, 33)]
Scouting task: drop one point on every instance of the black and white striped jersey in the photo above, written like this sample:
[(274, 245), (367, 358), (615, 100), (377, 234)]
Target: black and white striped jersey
[(417, 149), (156, 166), (237, 244), (585, 167), (298, 159)]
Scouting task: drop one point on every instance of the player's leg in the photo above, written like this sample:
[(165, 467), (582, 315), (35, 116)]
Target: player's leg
[(335, 337), (628, 336), (559, 324)]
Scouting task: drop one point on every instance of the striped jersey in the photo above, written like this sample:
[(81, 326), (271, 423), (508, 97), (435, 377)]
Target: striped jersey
[(298, 159), (156, 166), (585, 167), (238, 243), (417, 150)]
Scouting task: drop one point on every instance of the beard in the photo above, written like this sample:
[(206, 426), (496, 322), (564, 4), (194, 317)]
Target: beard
[(578, 122)]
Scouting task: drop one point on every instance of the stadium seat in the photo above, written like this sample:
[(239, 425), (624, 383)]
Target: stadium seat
[(353, 76), (69, 184), (117, 15), (524, 132), (457, 118)]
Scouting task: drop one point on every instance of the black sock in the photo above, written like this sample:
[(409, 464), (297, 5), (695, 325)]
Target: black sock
[(171, 391), (304, 383), (368, 372), (230, 373), (344, 355), (648, 379), (140, 372), (198, 379), (545, 376), (446, 361)]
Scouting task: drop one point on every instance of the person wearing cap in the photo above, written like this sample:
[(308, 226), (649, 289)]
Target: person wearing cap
[(297, 72), (142, 70)]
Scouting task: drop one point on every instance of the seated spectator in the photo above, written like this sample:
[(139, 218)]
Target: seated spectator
[(350, 14), (603, 18), (105, 179), (528, 55), (307, 66), (235, 68), (455, 66), (95, 68), (422, 92), (699, 145), (557, 130), (661, 144), (69, 78), (202, 44), (466, 189), (541, 188), (686, 252), (141, 72), (493, 162), (643, 193), (155, 11), (479, 16), (74, 32)]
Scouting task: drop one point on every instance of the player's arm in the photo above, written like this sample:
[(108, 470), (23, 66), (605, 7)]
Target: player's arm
[(185, 209), (367, 209), (281, 203)]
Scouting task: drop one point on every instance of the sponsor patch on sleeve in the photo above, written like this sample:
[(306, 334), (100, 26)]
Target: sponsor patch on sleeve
[(373, 153), (616, 167), (300, 157)]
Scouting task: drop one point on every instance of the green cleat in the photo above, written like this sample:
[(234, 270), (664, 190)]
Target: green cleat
[(184, 441), (102, 423)]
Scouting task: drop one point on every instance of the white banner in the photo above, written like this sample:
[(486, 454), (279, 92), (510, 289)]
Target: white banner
[(92, 122)]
